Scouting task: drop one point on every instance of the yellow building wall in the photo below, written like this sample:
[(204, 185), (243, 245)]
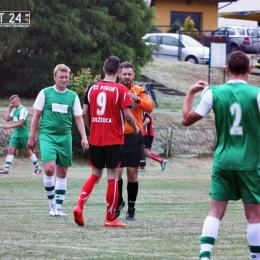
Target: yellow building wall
[(208, 10)]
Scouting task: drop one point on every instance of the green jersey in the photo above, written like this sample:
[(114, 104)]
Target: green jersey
[(57, 112), (19, 114), (236, 108)]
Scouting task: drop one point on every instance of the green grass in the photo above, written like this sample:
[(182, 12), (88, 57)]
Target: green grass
[(170, 211)]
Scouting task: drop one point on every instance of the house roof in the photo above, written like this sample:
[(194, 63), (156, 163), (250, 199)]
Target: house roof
[(247, 15)]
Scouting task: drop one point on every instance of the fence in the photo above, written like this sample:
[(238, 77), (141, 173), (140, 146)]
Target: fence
[(168, 141), (179, 140)]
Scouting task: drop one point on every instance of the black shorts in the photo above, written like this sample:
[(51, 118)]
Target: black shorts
[(110, 156), (134, 150), (148, 139)]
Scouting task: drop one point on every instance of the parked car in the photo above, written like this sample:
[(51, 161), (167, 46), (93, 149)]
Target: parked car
[(242, 38), (173, 46)]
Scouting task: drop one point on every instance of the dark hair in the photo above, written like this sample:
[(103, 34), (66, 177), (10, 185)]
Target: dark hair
[(127, 65), (238, 63), (111, 65)]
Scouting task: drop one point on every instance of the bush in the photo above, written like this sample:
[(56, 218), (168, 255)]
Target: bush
[(175, 27)]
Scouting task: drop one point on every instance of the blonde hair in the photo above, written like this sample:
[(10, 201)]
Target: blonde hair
[(13, 96), (61, 67)]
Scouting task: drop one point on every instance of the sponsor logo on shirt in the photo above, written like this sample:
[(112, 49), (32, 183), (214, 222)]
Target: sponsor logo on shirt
[(101, 120), (107, 88), (59, 108)]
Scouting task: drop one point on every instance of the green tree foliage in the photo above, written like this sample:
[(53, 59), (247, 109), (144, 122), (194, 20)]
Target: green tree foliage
[(189, 28), (155, 29), (175, 26), (80, 34)]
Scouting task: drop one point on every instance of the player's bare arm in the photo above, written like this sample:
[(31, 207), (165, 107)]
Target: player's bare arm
[(34, 126), (19, 124), (81, 127), (189, 117), (8, 118), (85, 115)]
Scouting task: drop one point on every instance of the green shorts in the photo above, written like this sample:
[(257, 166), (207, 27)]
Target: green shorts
[(19, 142), (56, 148), (234, 185)]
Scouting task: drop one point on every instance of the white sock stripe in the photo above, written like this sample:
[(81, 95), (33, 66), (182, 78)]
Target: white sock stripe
[(206, 247)]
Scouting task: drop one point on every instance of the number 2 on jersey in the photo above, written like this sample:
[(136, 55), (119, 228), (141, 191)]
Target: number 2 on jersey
[(235, 110)]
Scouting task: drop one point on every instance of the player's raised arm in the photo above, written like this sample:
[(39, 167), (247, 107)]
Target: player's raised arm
[(189, 117)]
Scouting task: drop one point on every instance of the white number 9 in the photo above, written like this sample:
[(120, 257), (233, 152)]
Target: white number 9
[(101, 102)]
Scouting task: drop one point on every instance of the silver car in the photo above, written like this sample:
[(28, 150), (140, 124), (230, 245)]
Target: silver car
[(173, 46), (242, 38)]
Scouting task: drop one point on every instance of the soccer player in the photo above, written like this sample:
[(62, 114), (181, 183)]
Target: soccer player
[(235, 172), (148, 136), (105, 106), (19, 114), (133, 146), (55, 106)]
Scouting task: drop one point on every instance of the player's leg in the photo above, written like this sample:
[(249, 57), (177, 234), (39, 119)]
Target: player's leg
[(211, 227), (134, 158), (111, 199), (63, 149), (252, 212), (146, 151), (48, 153), (113, 156), (120, 201), (250, 194), (220, 191), (132, 191), (60, 188), (97, 162), (31, 155), (49, 184), (10, 155), (154, 156)]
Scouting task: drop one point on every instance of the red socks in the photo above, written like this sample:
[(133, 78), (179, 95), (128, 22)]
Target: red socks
[(111, 197), (156, 158), (87, 189)]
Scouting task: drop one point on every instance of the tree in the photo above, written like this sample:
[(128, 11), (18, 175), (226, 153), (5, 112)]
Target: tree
[(80, 34), (175, 26), (189, 27)]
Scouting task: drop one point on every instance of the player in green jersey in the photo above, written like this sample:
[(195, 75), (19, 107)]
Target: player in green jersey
[(235, 173), (56, 106), (19, 114)]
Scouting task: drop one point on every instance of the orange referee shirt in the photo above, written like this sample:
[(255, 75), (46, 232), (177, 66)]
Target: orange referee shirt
[(144, 105)]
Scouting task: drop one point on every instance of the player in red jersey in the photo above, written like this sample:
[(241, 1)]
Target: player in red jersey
[(148, 136), (105, 107)]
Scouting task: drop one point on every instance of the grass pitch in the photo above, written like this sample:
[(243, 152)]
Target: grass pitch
[(170, 211)]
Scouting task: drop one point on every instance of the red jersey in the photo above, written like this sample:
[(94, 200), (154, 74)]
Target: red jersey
[(106, 101), (149, 129)]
